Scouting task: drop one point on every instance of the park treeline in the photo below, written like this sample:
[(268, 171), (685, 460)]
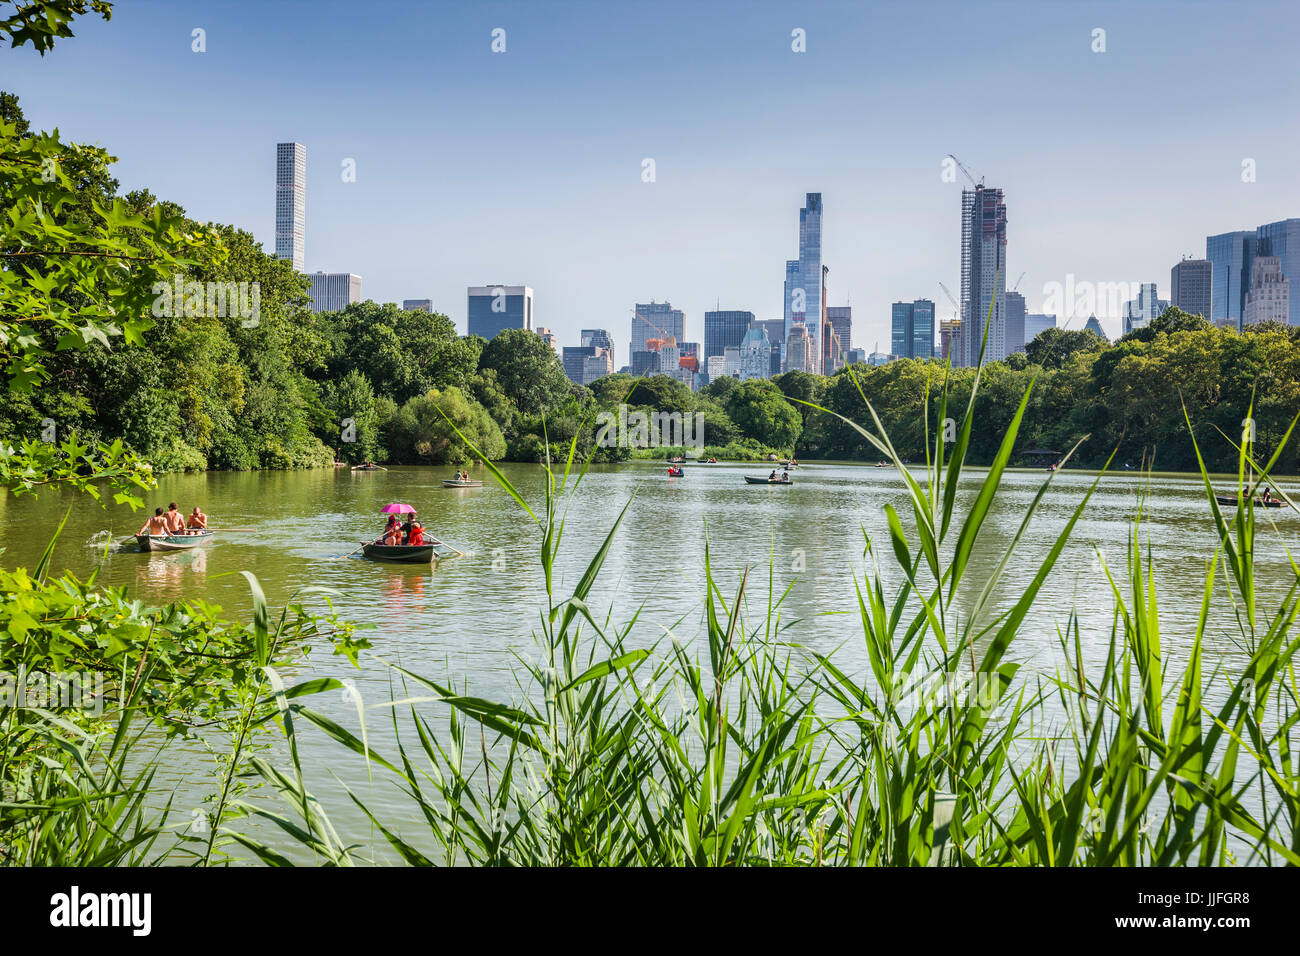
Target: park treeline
[(282, 387)]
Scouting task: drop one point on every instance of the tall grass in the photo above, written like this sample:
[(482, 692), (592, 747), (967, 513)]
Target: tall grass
[(751, 750)]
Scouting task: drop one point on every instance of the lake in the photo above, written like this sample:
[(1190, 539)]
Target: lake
[(469, 618)]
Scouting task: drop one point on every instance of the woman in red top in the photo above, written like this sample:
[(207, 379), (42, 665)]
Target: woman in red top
[(392, 533)]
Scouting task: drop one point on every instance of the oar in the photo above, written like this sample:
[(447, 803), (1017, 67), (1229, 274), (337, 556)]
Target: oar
[(230, 529), (359, 547)]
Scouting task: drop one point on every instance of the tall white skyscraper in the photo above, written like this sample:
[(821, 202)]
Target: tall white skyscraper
[(290, 202)]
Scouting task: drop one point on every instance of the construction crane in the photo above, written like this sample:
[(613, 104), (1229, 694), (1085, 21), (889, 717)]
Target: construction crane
[(977, 185), (951, 299), (1018, 281)]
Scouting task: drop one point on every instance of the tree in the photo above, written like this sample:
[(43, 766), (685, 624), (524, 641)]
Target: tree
[(422, 429), (1051, 347), (1167, 322), (527, 370), (355, 417), (761, 412)]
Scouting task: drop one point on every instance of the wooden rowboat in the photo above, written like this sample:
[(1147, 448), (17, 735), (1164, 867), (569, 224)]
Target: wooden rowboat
[(173, 542), (768, 481), (1259, 502), (452, 483), (405, 553)]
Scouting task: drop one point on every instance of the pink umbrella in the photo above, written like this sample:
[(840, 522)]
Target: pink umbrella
[(397, 508)]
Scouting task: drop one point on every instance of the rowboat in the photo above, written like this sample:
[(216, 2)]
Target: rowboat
[(768, 481), (679, 473), (406, 553), (452, 483), (1259, 502), (368, 468), (173, 542)]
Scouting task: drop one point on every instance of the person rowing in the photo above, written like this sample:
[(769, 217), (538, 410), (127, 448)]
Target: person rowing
[(772, 476), (156, 525), (408, 529), (785, 477), (196, 522)]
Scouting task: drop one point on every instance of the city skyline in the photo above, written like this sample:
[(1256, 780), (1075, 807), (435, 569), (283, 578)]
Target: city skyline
[(715, 221)]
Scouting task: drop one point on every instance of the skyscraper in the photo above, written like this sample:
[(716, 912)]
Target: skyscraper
[(983, 274), (1269, 298), (1036, 323), (1282, 240), (586, 363), (417, 305), (803, 283), (600, 338), (724, 328), (655, 320), (494, 308), (334, 291), (912, 329), (1140, 312), (900, 329), (1230, 255), (755, 354), (291, 202), (1191, 287), (841, 319), (775, 329), (1015, 322), (798, 346)]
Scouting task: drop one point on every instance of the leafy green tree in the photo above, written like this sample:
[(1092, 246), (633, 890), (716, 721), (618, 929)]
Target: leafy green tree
[(661, 393), (1051, 347), (527, 370), (353, 401), (422, 430), (761, 413)]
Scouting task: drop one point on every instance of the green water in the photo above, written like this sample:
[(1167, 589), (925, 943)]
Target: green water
[(467, 618)]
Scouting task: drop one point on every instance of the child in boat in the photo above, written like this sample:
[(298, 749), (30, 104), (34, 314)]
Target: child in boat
[(155, 525), (417, 533), (392, 532)]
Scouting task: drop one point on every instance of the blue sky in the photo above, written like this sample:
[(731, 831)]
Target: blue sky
[(476, 167)]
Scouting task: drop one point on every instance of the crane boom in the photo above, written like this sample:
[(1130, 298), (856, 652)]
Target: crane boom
[(962, 167), (950, 298)]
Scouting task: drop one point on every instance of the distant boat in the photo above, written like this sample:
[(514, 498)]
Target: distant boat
[(1259, 502), (368, 468), (769, 481), (679, 473), (173, 542), (453, 483)]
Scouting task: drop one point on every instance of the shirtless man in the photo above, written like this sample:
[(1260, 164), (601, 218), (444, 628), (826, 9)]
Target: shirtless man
[(155, 525), (196, 522), (175, 523)]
